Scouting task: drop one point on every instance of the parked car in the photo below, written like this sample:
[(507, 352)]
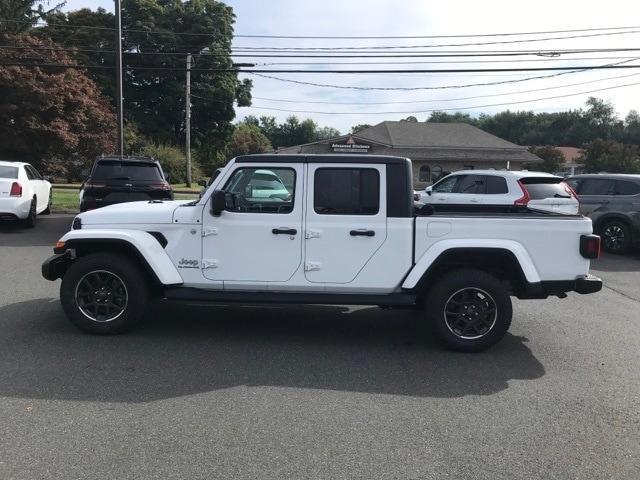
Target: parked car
[(535, 190), (24, 193), (612, 201), (123, 179), (346, 234)]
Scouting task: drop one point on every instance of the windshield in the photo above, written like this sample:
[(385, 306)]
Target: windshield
[(117, 170), (8, 172)]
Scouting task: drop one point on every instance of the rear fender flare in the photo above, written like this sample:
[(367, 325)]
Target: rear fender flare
[(431, 255), (146, 245)]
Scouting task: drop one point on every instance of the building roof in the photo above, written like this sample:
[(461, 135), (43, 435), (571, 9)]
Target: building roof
[(435, 141)]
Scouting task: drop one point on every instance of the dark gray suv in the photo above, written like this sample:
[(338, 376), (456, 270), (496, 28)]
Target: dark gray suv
[(612, 201)]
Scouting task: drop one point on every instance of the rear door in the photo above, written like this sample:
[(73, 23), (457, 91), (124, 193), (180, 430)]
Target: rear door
[(595, 194), (346, 220), (550, 194)]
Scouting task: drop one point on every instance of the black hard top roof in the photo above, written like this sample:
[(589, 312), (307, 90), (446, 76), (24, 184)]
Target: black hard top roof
[(126, 158), (321, 158)]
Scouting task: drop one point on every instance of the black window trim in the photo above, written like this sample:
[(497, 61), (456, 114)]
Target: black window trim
[(346, 167), (283, 167)]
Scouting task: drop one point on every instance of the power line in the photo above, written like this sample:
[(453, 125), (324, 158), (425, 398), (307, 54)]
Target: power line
[(337, 37), (450, 109), (394, 47), (555, 87)]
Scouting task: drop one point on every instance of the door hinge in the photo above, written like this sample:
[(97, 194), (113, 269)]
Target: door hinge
[(209, 231), (312, 234), (209, 264), (310, 266)]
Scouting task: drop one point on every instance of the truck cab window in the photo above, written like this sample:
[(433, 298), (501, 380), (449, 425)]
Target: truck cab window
[(346, 191), (261, 190)]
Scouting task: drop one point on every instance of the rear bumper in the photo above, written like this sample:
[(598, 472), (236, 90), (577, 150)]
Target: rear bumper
[(14, 208), (55, 266), (582, 285)]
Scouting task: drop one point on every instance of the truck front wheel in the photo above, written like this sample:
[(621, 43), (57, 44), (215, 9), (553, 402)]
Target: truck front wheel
[(104, 293), (469, 310)]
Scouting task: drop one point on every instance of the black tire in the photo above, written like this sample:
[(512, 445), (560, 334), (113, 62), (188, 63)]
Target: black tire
[(30, 221), (83, 307), (47, 211), (469, 310), (616, 237)]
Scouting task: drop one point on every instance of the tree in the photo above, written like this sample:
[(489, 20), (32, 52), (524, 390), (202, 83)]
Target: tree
[(611, 157), (54, 117), (632, 128), (359, 127), (247, 139), (411, 119), (324, 133), (154, 82), (19, 16), (551, 156), (457, 117)]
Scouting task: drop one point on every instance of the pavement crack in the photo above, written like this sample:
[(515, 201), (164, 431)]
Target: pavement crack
[(622, 293)]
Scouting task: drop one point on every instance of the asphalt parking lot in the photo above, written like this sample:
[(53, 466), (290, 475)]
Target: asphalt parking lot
[(314, 392)]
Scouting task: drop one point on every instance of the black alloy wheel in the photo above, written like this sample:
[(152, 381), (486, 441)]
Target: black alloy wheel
[(616, 237), (470, 313), (101, 296)]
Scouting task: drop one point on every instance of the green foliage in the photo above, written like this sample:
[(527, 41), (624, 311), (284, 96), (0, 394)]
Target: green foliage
[(359, 127), (611, 157), (154, 99), (457, 117), (55, 118), (551, 156), (247, 139), (21, 15), (173, 161), (292, 131)]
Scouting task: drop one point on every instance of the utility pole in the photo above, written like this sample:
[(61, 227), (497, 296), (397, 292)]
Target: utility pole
[(119, 78), (187, 108)]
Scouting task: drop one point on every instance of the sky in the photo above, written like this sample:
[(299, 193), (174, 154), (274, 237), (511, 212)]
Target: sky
[(427, 17)]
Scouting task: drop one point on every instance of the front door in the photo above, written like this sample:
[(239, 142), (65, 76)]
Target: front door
[(346, 220), (259, 237)]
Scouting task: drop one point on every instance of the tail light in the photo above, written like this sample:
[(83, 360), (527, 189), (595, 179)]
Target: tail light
[(590, 246), (16, 190), (524, 199), (570, 191), (160, 185)]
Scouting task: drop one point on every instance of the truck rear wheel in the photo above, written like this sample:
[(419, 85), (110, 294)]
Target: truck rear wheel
[(104, 293), (469, 310)]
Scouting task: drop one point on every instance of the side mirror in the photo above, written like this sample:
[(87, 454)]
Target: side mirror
[(167, 177), (202, 183), (218, 202), (428, 190)]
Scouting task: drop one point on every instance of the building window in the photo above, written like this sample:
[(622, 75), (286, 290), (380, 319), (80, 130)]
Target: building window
[(425, 173), (436, 173)]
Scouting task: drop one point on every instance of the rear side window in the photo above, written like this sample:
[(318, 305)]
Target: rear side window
[(596, 186), (346, 191), (545, 187), (495, 185), (30, 174), (470, 184), (624, 187), (117, 170), (8, 172)]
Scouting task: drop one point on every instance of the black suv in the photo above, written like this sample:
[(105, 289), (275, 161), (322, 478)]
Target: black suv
[(123, 179), (612, 201)]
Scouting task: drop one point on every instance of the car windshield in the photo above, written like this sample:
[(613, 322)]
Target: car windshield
[(135, 171), (8, 172), (545, 187)]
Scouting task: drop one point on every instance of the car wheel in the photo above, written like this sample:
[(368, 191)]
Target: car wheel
[(469, 310), (30, 221), (104, 293), (47, 211), (616, 237)]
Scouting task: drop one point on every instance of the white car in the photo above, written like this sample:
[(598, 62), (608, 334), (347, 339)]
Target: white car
[(535, 190), (24, 193)]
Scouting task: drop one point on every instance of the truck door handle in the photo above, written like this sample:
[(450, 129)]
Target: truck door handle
[(284, 231), (362, 233)]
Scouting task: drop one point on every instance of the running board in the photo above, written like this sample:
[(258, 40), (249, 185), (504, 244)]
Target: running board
[(302, 298)]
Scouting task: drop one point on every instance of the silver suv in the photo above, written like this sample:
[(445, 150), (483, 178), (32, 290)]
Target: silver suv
[(612, 201)]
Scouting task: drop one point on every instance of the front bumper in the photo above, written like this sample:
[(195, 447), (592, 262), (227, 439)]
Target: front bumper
[(55, 266), (559, 288)]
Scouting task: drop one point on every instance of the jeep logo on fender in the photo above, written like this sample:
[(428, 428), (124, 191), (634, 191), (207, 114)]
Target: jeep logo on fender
[(186, 263)]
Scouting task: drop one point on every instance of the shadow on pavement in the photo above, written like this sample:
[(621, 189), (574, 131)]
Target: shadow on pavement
[(47, 231), (184, 350)]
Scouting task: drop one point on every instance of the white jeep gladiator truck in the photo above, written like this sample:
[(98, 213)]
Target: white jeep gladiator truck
[(321, 229)]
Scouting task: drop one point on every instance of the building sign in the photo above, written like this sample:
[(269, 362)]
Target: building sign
[(350, 146)]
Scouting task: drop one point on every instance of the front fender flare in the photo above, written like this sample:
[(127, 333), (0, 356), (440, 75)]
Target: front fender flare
[(144, 243), (430, 256)]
